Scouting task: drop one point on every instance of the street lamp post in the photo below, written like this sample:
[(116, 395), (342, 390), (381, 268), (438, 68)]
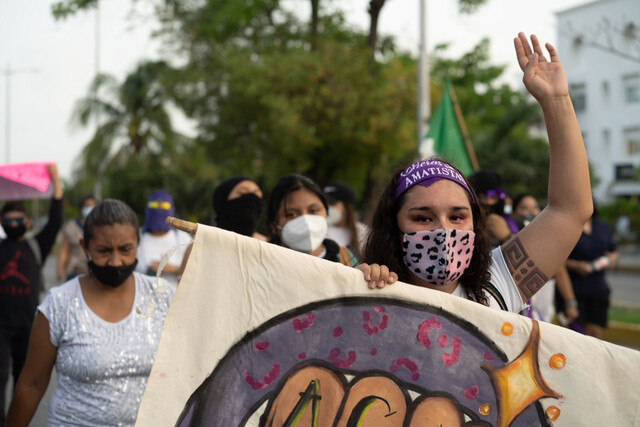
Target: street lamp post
[(424, 93)]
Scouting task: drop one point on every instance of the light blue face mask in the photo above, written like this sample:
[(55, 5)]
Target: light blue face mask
[(86, 211)]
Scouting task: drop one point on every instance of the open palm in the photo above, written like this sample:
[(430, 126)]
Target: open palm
[(544, 79)]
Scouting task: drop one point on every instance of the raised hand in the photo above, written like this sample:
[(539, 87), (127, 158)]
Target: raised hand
[(544, 79), (55, 178)]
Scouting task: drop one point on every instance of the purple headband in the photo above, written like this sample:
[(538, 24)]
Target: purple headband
[(498, 192), (427, 172)]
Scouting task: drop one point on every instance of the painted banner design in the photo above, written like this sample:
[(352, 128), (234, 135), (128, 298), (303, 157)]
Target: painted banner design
[(259, 335)]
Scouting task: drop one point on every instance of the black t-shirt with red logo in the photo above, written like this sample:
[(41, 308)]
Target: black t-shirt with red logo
[(20, 273)]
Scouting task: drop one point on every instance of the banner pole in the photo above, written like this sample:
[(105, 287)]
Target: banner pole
[(186, 226), (463, 130)]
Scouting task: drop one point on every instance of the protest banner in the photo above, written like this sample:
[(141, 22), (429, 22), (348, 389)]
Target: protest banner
[(260, 335)]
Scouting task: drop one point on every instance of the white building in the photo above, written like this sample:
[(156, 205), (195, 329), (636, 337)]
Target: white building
[(599, 45)]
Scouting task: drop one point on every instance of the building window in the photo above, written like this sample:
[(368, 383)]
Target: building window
[(631, 86), (632, 140), (624, 172), (578, 94)]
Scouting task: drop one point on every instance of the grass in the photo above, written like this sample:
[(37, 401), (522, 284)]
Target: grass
[(624, 315)]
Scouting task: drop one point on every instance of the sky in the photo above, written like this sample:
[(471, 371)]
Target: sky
[(46, 66)]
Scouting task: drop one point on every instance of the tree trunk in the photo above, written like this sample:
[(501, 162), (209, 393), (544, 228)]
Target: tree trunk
[(315, 5), (375, 6)]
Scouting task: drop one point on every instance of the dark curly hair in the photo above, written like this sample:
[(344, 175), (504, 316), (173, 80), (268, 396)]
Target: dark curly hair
[(384, 243)]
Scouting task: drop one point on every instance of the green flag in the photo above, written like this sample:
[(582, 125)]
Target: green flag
[(446, 135)]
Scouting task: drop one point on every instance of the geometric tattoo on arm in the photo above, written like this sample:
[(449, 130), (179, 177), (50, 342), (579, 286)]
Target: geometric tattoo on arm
[(529, 279)]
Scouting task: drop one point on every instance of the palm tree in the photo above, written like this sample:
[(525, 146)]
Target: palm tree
[(133, 122)]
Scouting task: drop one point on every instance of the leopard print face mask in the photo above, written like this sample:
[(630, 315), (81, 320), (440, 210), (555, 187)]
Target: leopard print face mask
[(438, 257)]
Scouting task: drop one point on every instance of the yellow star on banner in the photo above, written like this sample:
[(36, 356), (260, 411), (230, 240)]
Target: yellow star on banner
[(519, 383)]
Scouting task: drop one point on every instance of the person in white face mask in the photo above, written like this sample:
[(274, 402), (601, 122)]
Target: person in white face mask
[(429, 229), (297, 218), (344, 226)]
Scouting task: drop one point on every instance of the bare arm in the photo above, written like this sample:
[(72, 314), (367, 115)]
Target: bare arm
[(613, 259), (583, 268), (35, 375), (565, 288), (541, 248), (498, 228), (57, 184)]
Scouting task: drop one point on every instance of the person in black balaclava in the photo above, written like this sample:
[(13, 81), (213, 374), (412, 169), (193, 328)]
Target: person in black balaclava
[(491, 195), (238, 204)]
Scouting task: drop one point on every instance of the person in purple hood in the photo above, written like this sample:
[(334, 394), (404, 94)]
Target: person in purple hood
[(429, 229), (489, 188), (157, 238)]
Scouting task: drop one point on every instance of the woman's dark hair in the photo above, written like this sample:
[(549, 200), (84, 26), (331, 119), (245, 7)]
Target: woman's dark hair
[(85, 199), (285, 186), (516, 200), (14, 207), (109, 212), (384, 244)]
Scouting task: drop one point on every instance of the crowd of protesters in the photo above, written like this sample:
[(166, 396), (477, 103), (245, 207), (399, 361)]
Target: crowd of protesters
[(91, 327)]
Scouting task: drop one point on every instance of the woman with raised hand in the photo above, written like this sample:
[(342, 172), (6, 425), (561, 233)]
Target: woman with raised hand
[(429, 230), (100, 330)]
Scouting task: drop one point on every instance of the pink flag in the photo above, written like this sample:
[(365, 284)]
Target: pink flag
[(20, 181)]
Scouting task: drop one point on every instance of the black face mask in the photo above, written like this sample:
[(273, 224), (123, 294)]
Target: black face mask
[(497, 208), (110, 275), (15, 232), (241, 215), (523, 221)]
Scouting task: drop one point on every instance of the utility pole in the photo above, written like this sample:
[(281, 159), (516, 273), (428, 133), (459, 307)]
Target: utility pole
[(424, 92), (8, 72), (97, 185)]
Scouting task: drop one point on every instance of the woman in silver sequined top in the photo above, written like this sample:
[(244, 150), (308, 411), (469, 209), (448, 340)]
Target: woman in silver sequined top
[(100, 330)]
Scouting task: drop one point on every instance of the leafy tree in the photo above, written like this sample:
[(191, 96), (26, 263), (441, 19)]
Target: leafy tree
[(269, 101), (134, 123), (273, 94), (64, 9)]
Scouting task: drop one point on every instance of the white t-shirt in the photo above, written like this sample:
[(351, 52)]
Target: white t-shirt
[(102, 366), (542, 307), (152, 248), (342, 235), (503, 281)]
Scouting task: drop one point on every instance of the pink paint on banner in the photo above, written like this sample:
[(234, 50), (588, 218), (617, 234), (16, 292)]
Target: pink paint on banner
[(34, 175), (299, 325), (338, 358), (262, 345), (472, 392), (488, 356), (424, 329), (337, 331), (443, 339), (266, 380), (409, 364), (450, 359), (369, 327)]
